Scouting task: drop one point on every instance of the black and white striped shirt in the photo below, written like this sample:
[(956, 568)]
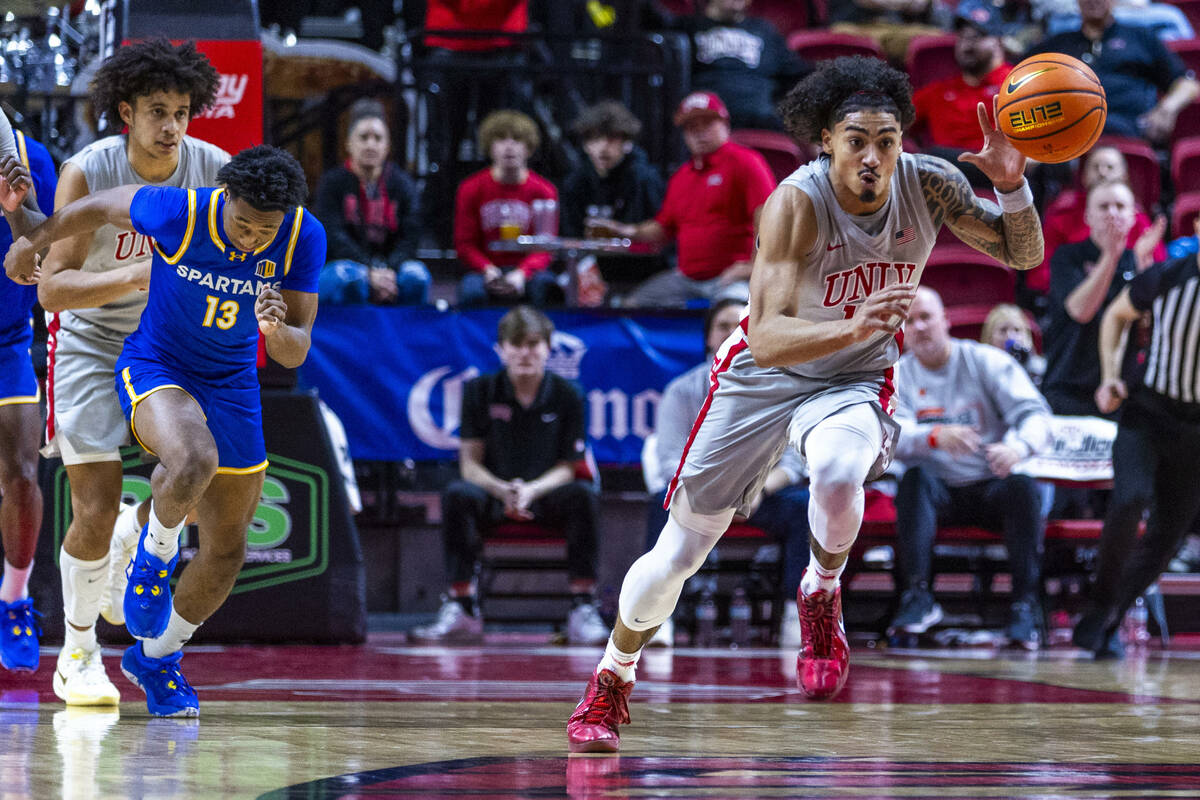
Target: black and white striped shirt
[(1171, 290)]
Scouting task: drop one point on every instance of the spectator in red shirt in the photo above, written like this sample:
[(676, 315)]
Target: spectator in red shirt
[(710, 210), (1065, 216), (496, 203), (947, 121)]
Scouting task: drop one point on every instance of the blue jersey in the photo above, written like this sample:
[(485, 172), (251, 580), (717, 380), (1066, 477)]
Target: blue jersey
[(16, 301), (199, 317)]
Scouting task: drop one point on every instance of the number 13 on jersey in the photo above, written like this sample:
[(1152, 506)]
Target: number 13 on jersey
[(228, 310)]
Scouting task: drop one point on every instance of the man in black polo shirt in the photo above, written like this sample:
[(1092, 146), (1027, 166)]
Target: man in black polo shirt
[(1156, 455), (1146, 84), (521, 437)]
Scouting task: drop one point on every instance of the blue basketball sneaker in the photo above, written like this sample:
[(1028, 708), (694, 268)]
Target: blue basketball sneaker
[(19, 635), (168, 693), (148, 594)]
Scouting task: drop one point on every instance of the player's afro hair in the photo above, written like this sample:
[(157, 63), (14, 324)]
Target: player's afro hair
[(267, 178), (840, 86), (156, 65)]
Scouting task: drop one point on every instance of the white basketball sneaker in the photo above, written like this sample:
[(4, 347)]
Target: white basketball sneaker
[(80, 679), (120, 552)]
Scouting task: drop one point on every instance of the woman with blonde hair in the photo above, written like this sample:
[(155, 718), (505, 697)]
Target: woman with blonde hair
[(1007, 328)]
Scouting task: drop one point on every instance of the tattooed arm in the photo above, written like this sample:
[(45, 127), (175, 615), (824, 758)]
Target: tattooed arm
[(1013, 239)]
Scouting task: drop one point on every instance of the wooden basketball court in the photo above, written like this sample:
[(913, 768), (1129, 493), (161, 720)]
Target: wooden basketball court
[(392, 720)]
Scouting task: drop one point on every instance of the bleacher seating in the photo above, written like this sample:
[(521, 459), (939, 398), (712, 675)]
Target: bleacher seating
[(781, 151), (1183, 215), (786, 15), (964, 276), (1144, 170), (1185, 165), (818, 45), (930, 59)]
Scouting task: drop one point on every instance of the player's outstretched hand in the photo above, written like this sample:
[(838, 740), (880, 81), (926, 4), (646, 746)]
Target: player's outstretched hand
[(15, 183), (998, 159), (22, 263), (884, 310), (270, 311)]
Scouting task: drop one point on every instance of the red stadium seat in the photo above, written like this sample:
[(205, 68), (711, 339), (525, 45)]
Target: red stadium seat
[(1188, 50), (786, 15), (1144, 176), (820, 45), (964, 276), (1183, 216), (1185, 165), (1187, 123), (930, 59), (781, 151)]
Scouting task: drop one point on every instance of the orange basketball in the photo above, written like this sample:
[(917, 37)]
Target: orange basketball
[(1052, 107)]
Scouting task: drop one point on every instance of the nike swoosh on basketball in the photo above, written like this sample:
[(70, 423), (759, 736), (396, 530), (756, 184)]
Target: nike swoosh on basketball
[(1024, 79), (832, 247)]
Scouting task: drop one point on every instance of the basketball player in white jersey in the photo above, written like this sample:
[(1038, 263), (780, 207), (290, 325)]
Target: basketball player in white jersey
[(93, 288), (842, 243)]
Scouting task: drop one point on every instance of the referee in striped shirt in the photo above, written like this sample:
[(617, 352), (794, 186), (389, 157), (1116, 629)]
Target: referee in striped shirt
[(1156, 455)]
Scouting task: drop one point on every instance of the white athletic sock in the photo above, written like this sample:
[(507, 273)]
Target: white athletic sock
[(178, 631), (819, 579), (15, 585), (161, 540), (623, 665), (75, 639)]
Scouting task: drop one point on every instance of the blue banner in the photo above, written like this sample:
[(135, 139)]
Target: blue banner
[(395, 375)]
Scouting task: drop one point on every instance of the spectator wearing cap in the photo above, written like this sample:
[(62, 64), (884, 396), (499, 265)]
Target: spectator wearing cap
[(743, 59), (710, 211), (1146, 84), (947, 119)]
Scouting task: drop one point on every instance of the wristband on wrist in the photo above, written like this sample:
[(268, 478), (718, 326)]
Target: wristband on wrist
[(933, 437), (1016, 200)]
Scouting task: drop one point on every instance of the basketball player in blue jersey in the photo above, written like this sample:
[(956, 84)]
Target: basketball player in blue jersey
[(26, 181), (229, 263), (842, 242)]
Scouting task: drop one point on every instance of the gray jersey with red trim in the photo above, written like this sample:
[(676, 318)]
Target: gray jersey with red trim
[(105, 165), (846, 263)]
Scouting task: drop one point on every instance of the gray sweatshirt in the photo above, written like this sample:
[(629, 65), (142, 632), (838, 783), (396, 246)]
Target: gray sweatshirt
[(677, 410), (980, 386)]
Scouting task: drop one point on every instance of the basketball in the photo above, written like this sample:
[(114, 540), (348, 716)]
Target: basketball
[(1052, 108)]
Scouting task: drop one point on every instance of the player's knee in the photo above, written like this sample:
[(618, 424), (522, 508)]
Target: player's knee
[(93, 515), (836, 493), (197, 468)]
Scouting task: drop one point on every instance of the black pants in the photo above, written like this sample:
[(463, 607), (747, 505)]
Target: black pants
[(467, 509), (1156, 460), (1009, 505)]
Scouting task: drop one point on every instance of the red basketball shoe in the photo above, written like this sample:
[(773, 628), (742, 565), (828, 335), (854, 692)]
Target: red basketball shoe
[(605, 705), (824, 661)]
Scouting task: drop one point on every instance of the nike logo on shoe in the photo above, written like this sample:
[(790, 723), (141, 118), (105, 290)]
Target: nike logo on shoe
[(832, 247)]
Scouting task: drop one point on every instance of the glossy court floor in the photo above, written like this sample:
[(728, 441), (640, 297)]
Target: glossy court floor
[(391, 720)]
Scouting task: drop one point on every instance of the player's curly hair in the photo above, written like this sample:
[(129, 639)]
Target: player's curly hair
[(842, 85), (152, 66), (267, 178)]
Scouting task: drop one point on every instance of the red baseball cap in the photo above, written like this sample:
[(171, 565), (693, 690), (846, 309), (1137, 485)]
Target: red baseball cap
[(700, 104)]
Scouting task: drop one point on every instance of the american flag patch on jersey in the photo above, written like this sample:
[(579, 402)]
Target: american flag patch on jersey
[(905, 236)]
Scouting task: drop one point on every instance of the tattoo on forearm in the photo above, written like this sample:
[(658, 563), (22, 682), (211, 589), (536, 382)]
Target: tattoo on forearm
[(1013, 239)]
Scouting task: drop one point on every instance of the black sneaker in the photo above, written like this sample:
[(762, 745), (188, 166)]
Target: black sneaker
[(1025, 625), (1099, 632), (918, 612)]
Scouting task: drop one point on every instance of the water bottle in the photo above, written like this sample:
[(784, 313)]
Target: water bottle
[(739, 619), (706, 620), (1135, 633)]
